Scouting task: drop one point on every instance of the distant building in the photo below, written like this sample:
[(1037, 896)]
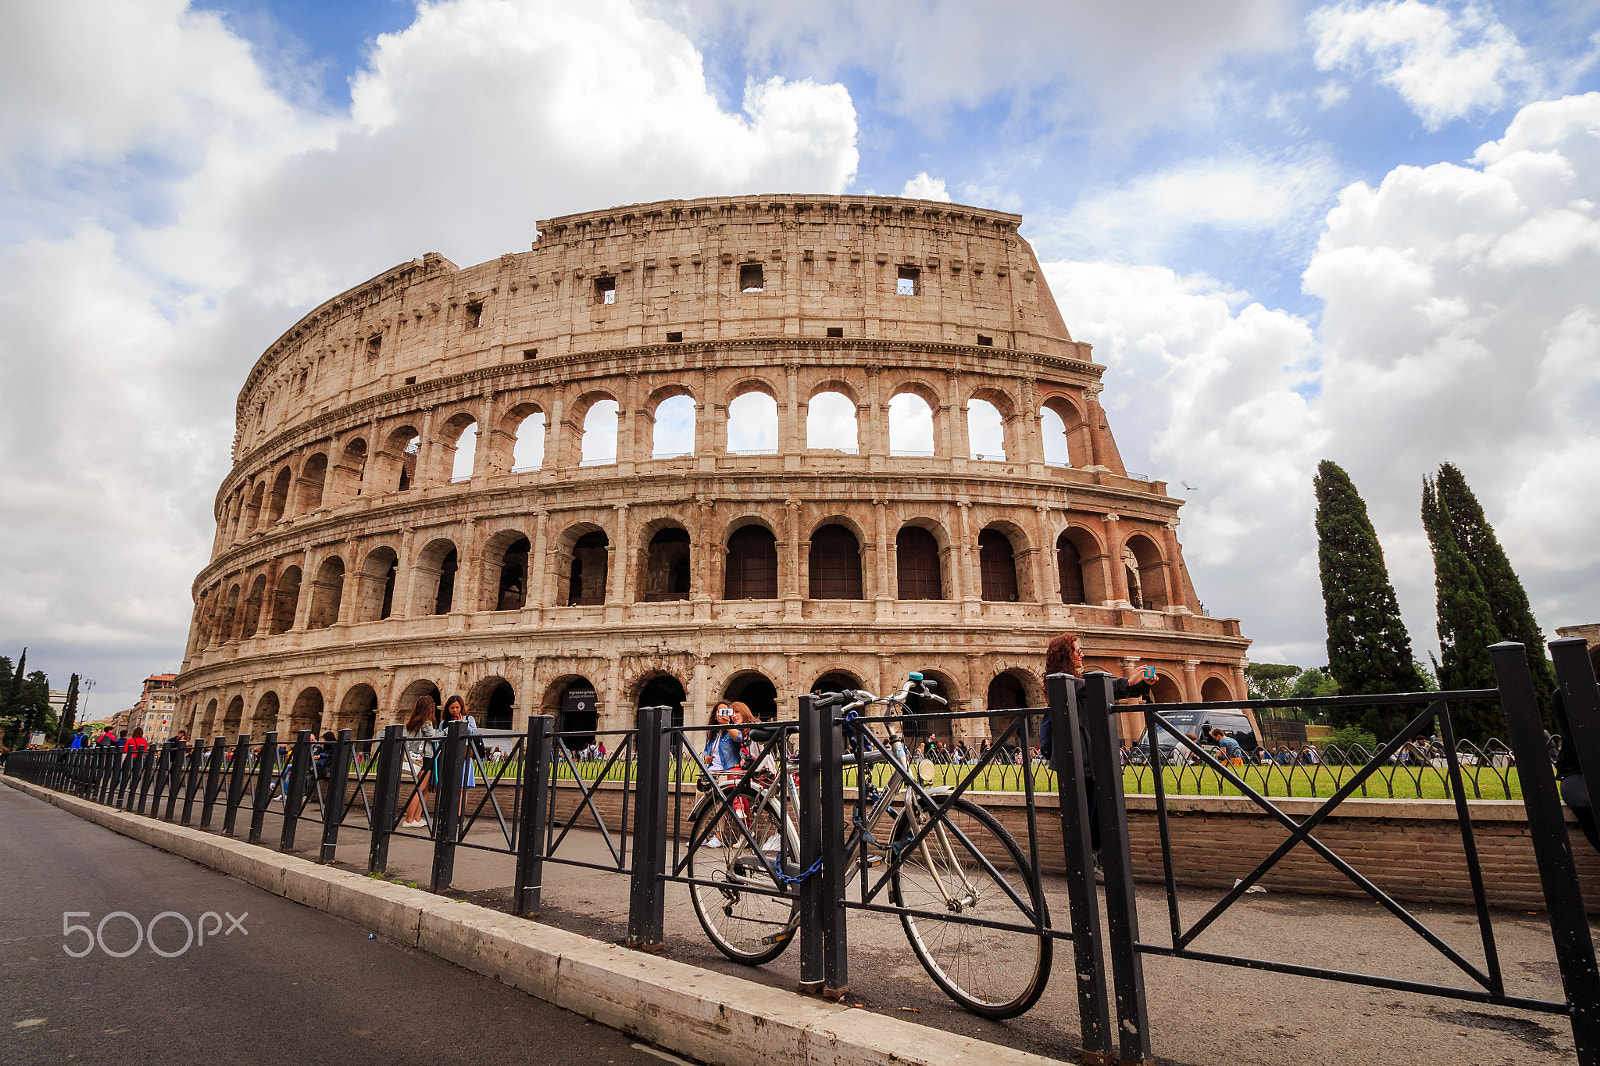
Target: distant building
[(154, 711), (1589, 631)]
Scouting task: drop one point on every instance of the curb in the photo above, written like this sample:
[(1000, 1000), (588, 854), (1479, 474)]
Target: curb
[(707, 1016)]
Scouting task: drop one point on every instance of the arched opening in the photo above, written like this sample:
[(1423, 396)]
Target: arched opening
[(917, 565), (252, 607), (1069, 570), (1006, 692), (228, 615), (1146, 573), (835, 563), (327, 592), (1166, 690), (673, 432), (492, 703), (358, 712), (412, 693), (997, 565), (285, 600), (836, 681), (831, 423), (312, 478), (578, 712), (345, 484), (600, 434), (233, 717), (307, 712), (511, 583), (280, 495), (253, 511), (756, 692), (664, 690), (265, 720), (752, 565), (378, 574), (209, 722), (1215, 690), (910, 426), (666, 566), (464, 453), (436, 577), (528, 451), (753, 424), (986, 435), (400, 457), (1053, 434), (918, 730), (586, 581)]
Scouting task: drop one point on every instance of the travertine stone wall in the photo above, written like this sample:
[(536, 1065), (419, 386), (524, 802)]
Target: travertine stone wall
[(351, 568)]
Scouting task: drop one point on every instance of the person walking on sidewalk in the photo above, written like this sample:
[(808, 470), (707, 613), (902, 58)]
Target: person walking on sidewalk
[(421, 730)]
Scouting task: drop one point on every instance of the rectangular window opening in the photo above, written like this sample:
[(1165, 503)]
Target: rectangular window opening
[(752, 278), (412, 380), (530, 353), (374, 345), (674, 337), (909, 282), (605, 290), (836, 331), (985, 342), (474, 315)]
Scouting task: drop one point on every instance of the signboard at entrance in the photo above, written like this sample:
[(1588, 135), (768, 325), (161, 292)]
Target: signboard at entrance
[(579, 701)]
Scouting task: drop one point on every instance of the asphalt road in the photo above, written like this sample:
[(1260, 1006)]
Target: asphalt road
[(287, 984)]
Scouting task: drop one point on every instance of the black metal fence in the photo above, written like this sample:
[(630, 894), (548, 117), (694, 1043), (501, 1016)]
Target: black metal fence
[(850, 839)]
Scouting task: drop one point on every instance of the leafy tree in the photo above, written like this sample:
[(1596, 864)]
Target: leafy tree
[(1507, 599), (69, 711), (1342, 743), (1466, 622), (1270, 681), (1369, 650)]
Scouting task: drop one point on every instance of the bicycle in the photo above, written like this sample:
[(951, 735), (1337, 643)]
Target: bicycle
[(969, 902)]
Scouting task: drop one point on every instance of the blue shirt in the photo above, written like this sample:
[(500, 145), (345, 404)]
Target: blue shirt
[(1230, 747)]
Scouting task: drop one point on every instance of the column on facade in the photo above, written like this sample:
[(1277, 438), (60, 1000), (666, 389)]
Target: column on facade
[(619, 559), (469, 570), (1117, 586), (538, 581), (492, 439), (707, 553), (405, 577), (1191, 687), (880, 514), (1177, 595), (791, 577), (628, 425), (971, 588)]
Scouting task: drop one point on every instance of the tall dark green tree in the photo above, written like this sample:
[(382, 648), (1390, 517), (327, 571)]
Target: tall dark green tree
[(1369, 650), (69, 712), (1508, 601), (1466, 623)]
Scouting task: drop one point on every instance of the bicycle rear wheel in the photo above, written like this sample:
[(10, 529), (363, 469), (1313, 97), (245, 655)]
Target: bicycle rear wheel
[(997, 973), (751, 927)]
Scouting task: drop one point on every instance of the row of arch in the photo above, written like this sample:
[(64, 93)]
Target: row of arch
[(579, 571), (410, 451), (572, 700)]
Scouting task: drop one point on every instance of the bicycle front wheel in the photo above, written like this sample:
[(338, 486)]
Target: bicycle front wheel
[(737, 850), (997, 973)]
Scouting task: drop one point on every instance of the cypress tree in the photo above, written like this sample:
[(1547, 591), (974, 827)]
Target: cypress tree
[(1369, 650), (69, 712), (1466, 624), (1508, 601)]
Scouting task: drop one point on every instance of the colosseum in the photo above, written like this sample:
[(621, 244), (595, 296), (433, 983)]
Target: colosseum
[(746, 446)]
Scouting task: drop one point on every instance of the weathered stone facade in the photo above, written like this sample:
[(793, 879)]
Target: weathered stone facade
[(360, 561)]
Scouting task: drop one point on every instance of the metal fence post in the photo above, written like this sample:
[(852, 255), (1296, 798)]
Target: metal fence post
[(812, 968), (238, 769), (447, 815), (293, 792), (196, 757), (835, 858), (338, 785), (175, 784), (385, 798), (1547, 826), (102, 778), (1122, 912), (646, 895), (219, 748), (266, 772), (1088, 951), (1581, 696), (148, 762), (536, 752), (159, 775)]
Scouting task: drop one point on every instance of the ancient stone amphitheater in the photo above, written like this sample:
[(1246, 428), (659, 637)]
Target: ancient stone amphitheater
[(745, 446)]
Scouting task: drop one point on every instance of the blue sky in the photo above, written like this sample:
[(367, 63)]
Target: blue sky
[(1358, 230)]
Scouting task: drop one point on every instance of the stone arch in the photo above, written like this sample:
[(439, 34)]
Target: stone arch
[(1067, 442), (313, 478), (837, 679), (253, 509), (435, 577), (913, 414), (750, 569), (265, 718), (670, 416), (250, 620), (327, 593), (505, 573), (396, 465), (755, 690), (278, 500), (345, 480), (665, 569), (376, 588), (208, 721), (526, 427), (574, 702), (1146, 572), (307, 711), (918, 731), (285, 600), (415, 690), (832, 421), (233, 717), (834, 562), (583, 561), (990, 416), (997, 564), (1009, 690), (458, 447), (753, 423), (1167, 688), (1216, 690), (492, 701), (1080, 567), (662, 688), (593, 429), (358, 712), (919, 561)]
